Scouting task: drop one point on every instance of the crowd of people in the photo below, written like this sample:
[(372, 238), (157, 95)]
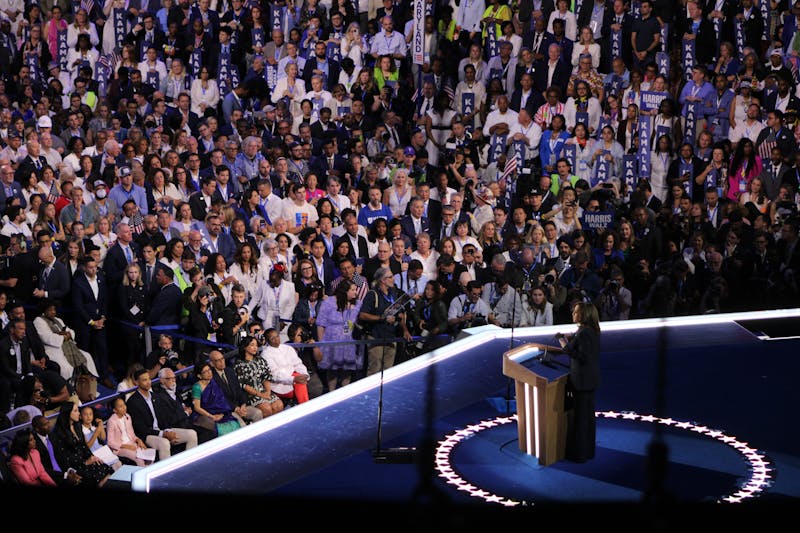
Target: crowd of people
[(245, 178)]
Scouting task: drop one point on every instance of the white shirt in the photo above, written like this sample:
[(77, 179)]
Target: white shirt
[(283, 361)]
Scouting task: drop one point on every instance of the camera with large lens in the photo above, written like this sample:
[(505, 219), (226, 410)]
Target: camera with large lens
[(549, 279), (386, 136)]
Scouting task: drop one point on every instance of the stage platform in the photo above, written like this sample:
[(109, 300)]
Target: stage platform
[(715, 393)]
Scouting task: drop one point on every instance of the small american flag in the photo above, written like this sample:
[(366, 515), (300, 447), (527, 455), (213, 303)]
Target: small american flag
[(510, 168), (137, 223), (52, 196), (87, 5), (448, 90)]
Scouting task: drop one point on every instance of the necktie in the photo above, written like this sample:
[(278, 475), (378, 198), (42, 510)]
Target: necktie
[(37, 163), (53, 461), (149, 38), (149, 274), (427, 107), (45, 275), (224, 377), (128, 255)]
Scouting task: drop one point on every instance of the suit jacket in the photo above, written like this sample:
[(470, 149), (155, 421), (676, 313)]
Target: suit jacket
[(166, 306), (321, 166), (560, 77), (57, 283), (535, 100), (237, 58), (115, 262), (329, 272), (86, 306), (141, 416), (407, 228), (16, 192), (8, 361), (198, 205), (333, 72), (705, 38), (225, 246), (28, 166), (362, 250), (232, 388)]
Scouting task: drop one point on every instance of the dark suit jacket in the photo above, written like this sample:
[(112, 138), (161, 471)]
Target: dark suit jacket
[(333, 72), (115, 263), (535, 100), (198, 206), (57, 284), (26, 167), (86, 306), (8, 361), (329, 272), (362, 251), (320, 165), (407, 228), (16, 191), (166, 307), (560, 77), (141, 416), (237, 58), (232, 389), (705, 38)]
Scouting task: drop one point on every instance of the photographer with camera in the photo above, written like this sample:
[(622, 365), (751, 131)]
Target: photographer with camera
[(615, 300), (468, 310), (234, 317)]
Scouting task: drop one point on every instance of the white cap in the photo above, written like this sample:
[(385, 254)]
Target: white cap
[(44, 122)]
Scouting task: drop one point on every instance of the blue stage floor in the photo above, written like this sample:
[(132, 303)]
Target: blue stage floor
[(726, 421)]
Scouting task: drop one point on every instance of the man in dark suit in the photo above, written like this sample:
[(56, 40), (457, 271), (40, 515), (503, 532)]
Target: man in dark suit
[(41, 430), (357, 241), (156, 431), (776, 134), (617, 19), (322, 262), (700, 28), (122, 253), (90, 305), (319, 64), (200, 201), (216, 240), (9, 187), (553, 72), (224, 45), (54, 281), (228, 381), (145, 34), (330, 159), (415, 222), (526, 96), (105, 164), (166, 306), (33, 162), (16, 370)]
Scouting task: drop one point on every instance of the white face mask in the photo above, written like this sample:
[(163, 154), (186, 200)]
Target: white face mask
[(101, 193)]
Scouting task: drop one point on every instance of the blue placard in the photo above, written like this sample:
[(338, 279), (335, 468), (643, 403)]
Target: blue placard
[(616, 44), (343, 110), (690, 122), (630, 172), (333, 52), (468, 105), (765, 16), (120, 31), (257, 37), (571, 155), (688, 57), (491, 39), (521, 153), (151, 79), (63, 49), (497, 146), (597, 220), (196, 61), (277, 15), (602, 171), (582, 116), (739, 36), (644, 146), (662, 62), (686, 169), (651, 100)]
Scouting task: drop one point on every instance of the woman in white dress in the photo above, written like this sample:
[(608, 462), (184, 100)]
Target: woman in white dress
[(660, 160), (438, 126), (103, 238), (291, 88), (205, 92), (399, 194)]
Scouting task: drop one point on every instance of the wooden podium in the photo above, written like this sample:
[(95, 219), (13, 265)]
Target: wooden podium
[(540, 390)]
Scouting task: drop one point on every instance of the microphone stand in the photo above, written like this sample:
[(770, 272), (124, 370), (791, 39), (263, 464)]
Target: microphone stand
[(399, 455)]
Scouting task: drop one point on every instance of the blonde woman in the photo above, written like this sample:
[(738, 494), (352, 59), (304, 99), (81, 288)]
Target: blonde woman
[(352, 44), (104, 238), (80, 25), (586, 46), (175, 82), (291, 88)]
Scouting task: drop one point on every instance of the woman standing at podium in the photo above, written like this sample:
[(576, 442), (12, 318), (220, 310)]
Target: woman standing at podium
[(583, 348)]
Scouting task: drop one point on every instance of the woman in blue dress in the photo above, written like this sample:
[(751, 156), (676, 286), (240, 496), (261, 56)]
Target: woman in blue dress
[(209, 402), (335, 322)]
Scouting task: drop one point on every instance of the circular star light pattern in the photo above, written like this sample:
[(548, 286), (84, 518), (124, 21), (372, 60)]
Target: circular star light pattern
[(760, 467)]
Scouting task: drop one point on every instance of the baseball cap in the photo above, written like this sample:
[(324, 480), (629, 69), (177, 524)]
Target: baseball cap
[(409, 150), (44, 122), (124, 171), (776, 52), (99, 183), (14, 134), (268, 108), (53, 64), (534, 192)]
